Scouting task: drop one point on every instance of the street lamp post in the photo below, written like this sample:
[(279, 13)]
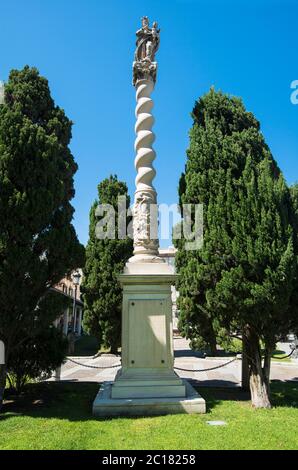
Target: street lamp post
[(76, 280)]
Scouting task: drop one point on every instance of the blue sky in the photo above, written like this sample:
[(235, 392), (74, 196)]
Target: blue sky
[(85, 49)]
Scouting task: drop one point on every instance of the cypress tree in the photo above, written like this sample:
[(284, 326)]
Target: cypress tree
[(105, 259), (242, 281), (38, 243)]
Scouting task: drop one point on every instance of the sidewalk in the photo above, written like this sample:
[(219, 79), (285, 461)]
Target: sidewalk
[(227, 376)]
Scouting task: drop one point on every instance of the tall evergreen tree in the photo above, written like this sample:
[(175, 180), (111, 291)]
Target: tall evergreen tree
[(38, 244), (242, 281), (105, 259)]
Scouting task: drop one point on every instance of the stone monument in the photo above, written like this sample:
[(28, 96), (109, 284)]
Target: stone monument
[(146, 383)]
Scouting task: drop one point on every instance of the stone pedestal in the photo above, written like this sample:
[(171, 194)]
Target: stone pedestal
[(147, 346), (147, 383)]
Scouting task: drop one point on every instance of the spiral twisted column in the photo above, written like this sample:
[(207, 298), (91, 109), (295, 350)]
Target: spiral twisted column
[(145, 221), (145, 136)]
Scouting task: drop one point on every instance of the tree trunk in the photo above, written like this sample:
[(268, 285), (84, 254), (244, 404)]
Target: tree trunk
[(212, 342), (259, 385), (213, 348), (114, 349), (258, 389), (244, 367), (2, 383)]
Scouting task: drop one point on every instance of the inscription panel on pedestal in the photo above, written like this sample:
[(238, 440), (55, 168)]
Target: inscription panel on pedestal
[(147, 331)]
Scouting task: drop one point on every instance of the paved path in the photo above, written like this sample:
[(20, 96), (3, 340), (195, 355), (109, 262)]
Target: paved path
[(228, 376)]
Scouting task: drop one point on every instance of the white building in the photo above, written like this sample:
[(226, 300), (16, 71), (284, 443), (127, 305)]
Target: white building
[(71, 319)]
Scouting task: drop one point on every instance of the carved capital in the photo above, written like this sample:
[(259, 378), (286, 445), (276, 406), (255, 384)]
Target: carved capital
[(144, 70)]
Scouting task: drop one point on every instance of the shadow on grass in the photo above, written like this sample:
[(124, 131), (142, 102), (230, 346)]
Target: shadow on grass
[(283, 394), (73, 401), (63, 400), (217, 391)]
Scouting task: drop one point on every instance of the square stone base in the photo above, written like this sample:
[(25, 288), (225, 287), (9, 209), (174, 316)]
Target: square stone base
[(104, 405), (147, 383)]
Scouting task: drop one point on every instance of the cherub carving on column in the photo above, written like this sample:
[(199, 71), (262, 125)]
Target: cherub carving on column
[(143, 224)]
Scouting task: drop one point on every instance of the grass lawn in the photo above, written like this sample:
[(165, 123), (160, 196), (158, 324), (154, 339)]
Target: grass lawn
[(58, 416), (279, 355)]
